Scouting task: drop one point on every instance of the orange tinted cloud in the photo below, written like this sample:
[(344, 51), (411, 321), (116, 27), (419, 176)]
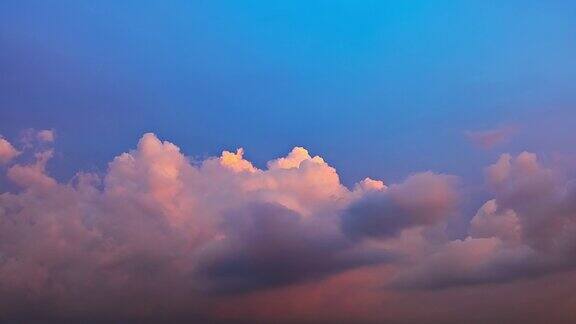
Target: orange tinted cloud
[(7, 151)]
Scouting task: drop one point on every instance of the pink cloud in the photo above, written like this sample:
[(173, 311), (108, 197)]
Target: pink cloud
[(46, 136), (159, 235), (489, 138), (527, 230), (7, 151)]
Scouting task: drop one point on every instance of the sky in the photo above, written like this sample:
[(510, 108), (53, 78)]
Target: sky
[(416, 157)]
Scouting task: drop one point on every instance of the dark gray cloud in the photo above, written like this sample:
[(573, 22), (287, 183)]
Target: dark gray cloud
[(527, 230), (423, 199), (267, 245)]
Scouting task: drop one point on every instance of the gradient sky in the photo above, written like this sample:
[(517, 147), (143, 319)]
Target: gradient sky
[(381, 89), (394, 84)]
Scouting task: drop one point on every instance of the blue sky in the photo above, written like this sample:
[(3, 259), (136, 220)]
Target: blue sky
[(389, 85)]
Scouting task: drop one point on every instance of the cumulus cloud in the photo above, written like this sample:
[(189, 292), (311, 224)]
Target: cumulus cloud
[(491, 221), (528, 229), (422, 199), (156, 231), (157, 234), (7, 151), (266, 245)]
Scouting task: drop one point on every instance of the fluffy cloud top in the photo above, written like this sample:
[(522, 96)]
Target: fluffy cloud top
[(157, 228), (7, 151)]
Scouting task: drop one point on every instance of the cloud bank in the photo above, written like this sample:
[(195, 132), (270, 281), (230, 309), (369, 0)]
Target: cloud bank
[(160, 236)]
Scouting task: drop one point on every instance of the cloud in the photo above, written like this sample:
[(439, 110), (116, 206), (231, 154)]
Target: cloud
[(158, 236), (157, 232), (470, 261), (46, 136), (527, 230), (31, 137), (33, 176), (7, 151), (489, 138), (491, 221), (266, 245), (422, 199)]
